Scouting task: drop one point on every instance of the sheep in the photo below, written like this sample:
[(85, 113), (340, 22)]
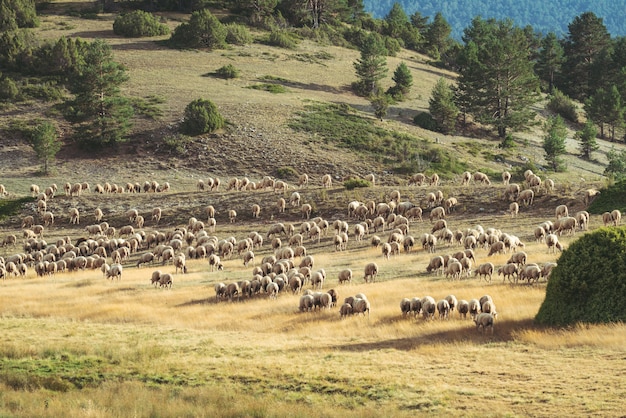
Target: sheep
[(429, 242), (48, 219), (465, 178), (306, 262), (485, 269), (232, 215), (417, 179), (165, 280), (3, 190), (345, 276), (386, 250), (552, 241), (607, 218), (428, 307), (156, 215), (115, 272), (436, 264), (215, 262), (378, 222), (443, 307), (481, 178), (474, 308), (434, 180), (546, 269), (327, 181), (561, 211), (405, 306), (454, 270), (34, 190), (508, 270), (506, 177), (487, 306), (414, 213), (514, 209), (582, 217), (549, 183), (526, 197), (496, 248), (463, 308), (371, 271), (361, 306), (303, 180), (567, 224), (345, 310), (439, 225), (512, 191), (530, 272), (450, 203), (589, 195), (28, 221), (616, 215), (146, 258), (484, 321), (534, 182), (306, 210), (540, 234), (276, 229), (232, 290), (131, 214), (294, 200), (518, 258), (371, 178)]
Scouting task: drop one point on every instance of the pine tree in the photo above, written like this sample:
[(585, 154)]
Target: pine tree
[(596, 109), (46, 144), (550, 60), (496, 83), (587, 139), (438, 36), (615, 111), (554, 142), (442, 107), (403, 79), (372, 66), (586, 39), (102, 113)]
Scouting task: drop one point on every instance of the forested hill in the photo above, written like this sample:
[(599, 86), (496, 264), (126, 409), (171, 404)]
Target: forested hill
[(543, 16)]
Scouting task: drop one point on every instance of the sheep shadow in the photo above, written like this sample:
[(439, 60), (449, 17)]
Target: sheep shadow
[(504, 331), (194, 302)]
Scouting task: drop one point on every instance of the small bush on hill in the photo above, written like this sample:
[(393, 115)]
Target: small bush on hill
[(354, 183), (204, 30), (588, 283), (201, 116), (237, 34), (227, 71), (286, 173), (282, 39), (562, 105), (613, 197), (8, 90), (424, 120), (139, 23), (271, 88)]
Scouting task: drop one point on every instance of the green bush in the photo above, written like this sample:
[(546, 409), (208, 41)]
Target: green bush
[(227, 71), (562, 105), (613, 197), (351, 184), (237, 34), (271, 88), (424, 120), (282, 39), (588, 283), (8, 90), (204, 30), (137, 24), (286, 173), (201, 116)]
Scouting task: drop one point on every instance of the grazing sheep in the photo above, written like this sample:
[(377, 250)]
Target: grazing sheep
[(429, 242), (327, 181), (485, 269), (518, 258), (294, 200), (48, 219), (514, 209), (303, 180), (552, 241), (474, 308), (434, 180), (450, 203), (417, 179), (345, 276), (371, 271), (115, 272), (146, 258), (256, 210), (616, 215), (361, 306), (454, 270), (508, 270), (165, 280), (371, 178), (546, 269), (530, 272), (28, 221), (132, 214), (405, 306), (526, 197), (463, 308), (589, 195), (567, 224), (481, 178), (215, 262), (496, 248), (428, 307), (306, 210), (345, 310), (3, 190), (582, 217), (232, 215), (506, 177), (512, 191), (436, 264), (276, 229), (465, 178), (561, 211), (487, 306), (484, 321), (540, 234), (156, 215), (443, 307), (34, 190)]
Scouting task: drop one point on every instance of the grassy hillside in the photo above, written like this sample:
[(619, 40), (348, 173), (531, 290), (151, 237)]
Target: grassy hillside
[(76, 344)]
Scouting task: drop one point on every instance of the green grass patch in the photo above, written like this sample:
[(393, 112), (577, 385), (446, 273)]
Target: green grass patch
[(316, 58), (403, 153), (273, 78), (148, 107), (354, 183), (13, 207), (271, 88)]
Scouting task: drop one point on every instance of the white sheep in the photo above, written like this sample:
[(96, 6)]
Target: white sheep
[(481, 178), (589, 195), (463, 308), (552, 241), (303, 180), (327, 181), (3, 190), (115, 272), (514, 209), (465, 178), (526, 197), (232, 215), (443, 307), (506, 177), (345, 276), (485, 269), (371, 271), (484, 321), (561, 211)]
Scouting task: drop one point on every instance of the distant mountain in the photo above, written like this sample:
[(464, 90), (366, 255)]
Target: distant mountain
[(544, 16)]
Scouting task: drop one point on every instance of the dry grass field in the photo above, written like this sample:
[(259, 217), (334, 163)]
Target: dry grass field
[(78, 345)]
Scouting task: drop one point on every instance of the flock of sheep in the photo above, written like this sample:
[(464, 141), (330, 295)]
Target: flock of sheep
[(108, 248)]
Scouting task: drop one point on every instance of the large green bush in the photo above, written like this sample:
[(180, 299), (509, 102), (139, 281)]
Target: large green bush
[(204, 30), (201, 116), (589, 283), (137, 24), (562, 105), (237, 34)]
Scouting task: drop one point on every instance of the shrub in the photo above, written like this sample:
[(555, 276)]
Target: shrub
[(282, 40), (201, 116), (595, 293), (424, 120), (8, 90), (227, 71), (204, 30), (351, 184), (286, 173), (139, 23), (562, 105), (237, 34), (271, 88), (612, 197)]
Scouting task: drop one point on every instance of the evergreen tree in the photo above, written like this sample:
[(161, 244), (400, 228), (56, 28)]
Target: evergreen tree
[(201, 116), (616, 168), (372, 66), (380, 103), (550, 60), (587, 139), (102, 113), (17, 14), (396, 21), (442, 107), (45, 142), (615, 111), (586, 39), (204, 30), (438, 37), (596, 109), (496, 80), (403, 79), (554, 142)]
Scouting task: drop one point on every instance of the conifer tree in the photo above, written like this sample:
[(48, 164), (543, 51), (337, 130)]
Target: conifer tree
[(587, 139), (442, 107), (554, 142), (371, 67)]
